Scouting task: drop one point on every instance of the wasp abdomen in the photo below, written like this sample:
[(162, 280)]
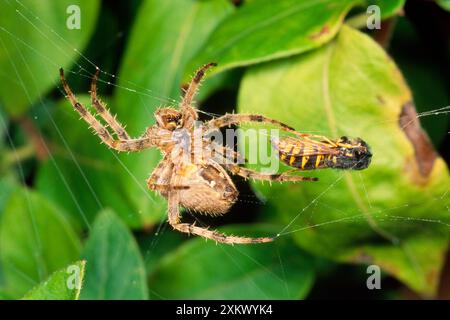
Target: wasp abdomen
[(308, 154), (311, 162)]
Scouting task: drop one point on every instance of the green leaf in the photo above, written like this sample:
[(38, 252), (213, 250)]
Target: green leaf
[(206, 270), (3, 139), (35, 240), (3, 126), (7, 186), (445, 4), (265, 30), (4, 295), (90, 176), (389, 214), (64, 284), (388, 8), (34, 42), (115, 269)]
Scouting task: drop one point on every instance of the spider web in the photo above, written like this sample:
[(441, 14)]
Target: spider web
[(85, 65)]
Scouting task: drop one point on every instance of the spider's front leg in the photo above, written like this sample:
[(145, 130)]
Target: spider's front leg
[(127, 144), (187, 110), (234, 119), (175, 222), (104, 112), (224, 154), (194, 85), (237, 118)]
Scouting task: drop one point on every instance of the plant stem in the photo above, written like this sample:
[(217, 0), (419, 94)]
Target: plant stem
[(358, 21)]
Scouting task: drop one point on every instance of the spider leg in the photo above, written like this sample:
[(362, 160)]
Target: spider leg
[(225, 154), (189, 112), (235, 119), (252, 174), (104, 112), (314, 138), (194, 85), (160, 178), (166, 187), (175, 222), (120, 145)]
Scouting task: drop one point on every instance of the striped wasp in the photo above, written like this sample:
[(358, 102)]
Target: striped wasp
[(309, 152)]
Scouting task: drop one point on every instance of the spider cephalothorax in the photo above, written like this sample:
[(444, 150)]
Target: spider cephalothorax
[(169, 118), (194, 179)]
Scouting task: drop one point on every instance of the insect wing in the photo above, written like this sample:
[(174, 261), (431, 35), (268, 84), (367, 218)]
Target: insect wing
[(290, 146)]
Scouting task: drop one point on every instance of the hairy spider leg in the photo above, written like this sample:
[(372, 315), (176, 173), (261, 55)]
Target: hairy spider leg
[(189, 112), (175, 222), (104, 112), (120, 145), (279, 177), (237, 118)]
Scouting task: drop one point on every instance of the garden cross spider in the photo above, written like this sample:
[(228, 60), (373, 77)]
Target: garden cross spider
[(202, 186)]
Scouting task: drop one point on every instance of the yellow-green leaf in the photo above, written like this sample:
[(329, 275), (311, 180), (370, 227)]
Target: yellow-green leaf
[(445, 4), (387, 7), (395, 213)]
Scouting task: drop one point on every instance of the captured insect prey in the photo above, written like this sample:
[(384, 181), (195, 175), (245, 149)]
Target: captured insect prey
[(202, 185), (310, 152)]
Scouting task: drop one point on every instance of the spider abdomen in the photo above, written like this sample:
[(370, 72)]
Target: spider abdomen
[(210, 191)]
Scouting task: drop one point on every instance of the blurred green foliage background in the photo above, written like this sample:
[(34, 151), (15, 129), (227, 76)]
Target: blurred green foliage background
[(68, 201)]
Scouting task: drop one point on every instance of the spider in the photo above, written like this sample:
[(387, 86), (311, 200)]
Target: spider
[(202, 186)]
